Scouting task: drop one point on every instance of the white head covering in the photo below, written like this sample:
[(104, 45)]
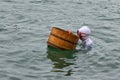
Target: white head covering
[(86, 31)]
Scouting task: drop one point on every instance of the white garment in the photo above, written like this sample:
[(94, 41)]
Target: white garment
[(86, 44)]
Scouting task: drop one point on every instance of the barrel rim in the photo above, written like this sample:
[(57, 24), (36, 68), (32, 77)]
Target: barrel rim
[(66, 31)]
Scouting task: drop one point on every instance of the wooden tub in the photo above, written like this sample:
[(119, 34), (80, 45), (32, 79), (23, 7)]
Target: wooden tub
[(62, 39)]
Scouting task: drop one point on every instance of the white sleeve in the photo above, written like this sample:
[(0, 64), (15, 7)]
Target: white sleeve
[(89, 45)]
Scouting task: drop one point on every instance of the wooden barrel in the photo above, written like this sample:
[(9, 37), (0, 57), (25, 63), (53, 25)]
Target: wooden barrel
[(62, 39)]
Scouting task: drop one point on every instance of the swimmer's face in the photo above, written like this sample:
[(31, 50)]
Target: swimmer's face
[(81, 35)]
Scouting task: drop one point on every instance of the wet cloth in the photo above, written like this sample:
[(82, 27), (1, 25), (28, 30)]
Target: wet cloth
[(85, 42)]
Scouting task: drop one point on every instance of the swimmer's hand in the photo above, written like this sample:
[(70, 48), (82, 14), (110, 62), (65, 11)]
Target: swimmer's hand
[(70, 32)]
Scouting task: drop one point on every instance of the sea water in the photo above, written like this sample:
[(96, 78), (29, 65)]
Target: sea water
[(25, 26)]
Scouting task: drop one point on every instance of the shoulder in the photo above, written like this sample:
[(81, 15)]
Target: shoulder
[(89, 42)]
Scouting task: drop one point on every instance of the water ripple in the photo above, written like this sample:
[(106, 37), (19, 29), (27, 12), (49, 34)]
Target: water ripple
[(14, 78)]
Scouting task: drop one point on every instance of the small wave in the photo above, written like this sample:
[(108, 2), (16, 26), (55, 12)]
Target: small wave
[(14, 78), (1, 30), (9, 1), (110, 19), (42, 1)]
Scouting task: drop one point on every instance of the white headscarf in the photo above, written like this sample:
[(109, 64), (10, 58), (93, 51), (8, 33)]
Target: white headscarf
[(86, 30)]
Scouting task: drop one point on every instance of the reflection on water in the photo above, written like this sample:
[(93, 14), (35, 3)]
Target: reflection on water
[(61, 59)]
